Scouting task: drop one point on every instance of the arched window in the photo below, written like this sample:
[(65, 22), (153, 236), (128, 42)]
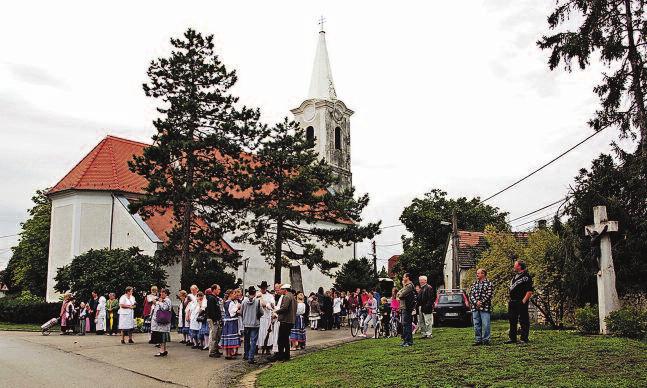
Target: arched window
[(338, 138), (310, 136)]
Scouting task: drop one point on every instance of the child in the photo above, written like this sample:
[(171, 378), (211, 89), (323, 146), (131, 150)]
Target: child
[(315, 312), (298, 332), (83, 312), (385, 314)]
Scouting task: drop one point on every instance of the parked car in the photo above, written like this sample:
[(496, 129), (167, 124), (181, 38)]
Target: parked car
[(452, 306)]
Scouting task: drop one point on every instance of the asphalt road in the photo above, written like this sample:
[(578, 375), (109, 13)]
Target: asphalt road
[(30, 365)]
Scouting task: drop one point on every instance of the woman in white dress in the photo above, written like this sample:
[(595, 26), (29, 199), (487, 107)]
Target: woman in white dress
[(126, 312), (100, 318)]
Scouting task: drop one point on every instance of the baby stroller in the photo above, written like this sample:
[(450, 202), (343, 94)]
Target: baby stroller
[(47, 326)]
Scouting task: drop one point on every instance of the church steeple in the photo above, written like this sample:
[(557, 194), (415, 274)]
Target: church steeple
[(321, 83), (326, 119)]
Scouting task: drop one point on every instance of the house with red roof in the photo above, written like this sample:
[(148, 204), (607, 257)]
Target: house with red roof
[(466, 247), (90, 203)]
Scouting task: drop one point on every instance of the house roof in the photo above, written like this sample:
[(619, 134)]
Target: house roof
[(106, 168), (472, 244)]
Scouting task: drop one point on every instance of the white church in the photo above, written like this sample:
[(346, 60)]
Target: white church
[(90, 203)]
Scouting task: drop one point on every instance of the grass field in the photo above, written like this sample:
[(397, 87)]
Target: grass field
[(553, 358), (20, 326)]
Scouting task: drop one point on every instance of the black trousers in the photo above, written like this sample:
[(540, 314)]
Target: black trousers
[(283, 341), (518, 313)]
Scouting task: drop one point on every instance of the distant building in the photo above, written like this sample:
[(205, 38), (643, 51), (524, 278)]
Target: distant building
[(470, 246)]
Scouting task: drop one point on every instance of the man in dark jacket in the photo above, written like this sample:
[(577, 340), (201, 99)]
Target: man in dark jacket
[(286, 315), (214, 320), (407, 297), (426, 303), (520, 293)]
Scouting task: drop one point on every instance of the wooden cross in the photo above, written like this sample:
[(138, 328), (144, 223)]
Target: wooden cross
[(607, 293), (321, 23)]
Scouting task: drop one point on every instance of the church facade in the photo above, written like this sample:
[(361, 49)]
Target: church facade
[(90, 203)]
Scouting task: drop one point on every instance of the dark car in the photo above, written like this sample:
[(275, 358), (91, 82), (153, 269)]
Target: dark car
[(452, 306)]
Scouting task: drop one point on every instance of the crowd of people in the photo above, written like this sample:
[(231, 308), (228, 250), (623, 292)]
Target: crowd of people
[(274, 321)]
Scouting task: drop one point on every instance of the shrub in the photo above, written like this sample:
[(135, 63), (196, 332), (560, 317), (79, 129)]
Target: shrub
[(627, 322), (587, 319), (27, 308), (499, 312)]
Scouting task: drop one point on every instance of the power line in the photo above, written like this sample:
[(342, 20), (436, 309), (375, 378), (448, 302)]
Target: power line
[(8, 235), (542, 167), (389, 245), (391, 226), (540, 209)]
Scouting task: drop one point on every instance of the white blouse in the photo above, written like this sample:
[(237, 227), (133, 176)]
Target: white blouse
[(301, 308)]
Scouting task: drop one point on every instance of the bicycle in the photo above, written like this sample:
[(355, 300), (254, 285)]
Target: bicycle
[(354, 323)]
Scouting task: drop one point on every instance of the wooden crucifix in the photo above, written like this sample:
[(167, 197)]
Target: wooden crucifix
[(606, 276)]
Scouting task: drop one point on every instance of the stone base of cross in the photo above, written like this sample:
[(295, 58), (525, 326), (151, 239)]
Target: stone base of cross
[(607, 293)]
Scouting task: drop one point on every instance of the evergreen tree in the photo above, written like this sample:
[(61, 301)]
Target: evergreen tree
[(617, 29), (424, 251), (200, 137), (27, 268), (355, 273), (291, 195)]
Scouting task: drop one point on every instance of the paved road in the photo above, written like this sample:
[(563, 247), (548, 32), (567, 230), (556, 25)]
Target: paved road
[(33, 360)]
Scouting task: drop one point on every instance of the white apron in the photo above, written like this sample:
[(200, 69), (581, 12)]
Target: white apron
[(126, 316), (275, 329), (266, 320)]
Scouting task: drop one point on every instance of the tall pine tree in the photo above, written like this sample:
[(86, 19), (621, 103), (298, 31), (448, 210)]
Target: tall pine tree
[(617, 30), (292, 196), (201, 133)]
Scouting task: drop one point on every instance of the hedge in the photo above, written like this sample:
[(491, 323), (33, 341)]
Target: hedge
[(21, 309)]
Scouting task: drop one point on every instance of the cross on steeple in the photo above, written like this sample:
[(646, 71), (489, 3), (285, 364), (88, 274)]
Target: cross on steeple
[(321, 23)]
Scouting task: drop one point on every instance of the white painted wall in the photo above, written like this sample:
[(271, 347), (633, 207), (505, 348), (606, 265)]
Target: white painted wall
[(447, 269), (81, 220)]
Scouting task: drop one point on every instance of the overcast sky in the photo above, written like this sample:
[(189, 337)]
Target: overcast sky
[(452, 95)]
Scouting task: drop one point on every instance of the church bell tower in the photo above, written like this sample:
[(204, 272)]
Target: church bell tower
[(325, 118)]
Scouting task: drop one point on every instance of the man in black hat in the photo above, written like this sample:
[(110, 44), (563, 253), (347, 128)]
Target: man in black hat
[(251, 312)]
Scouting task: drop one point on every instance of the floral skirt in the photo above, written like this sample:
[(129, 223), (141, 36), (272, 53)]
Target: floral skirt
[(298, 332), (230, 339)]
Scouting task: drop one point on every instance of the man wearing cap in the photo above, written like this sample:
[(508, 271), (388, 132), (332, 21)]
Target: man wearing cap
[(251, 312), (265, 337), (285, 314)]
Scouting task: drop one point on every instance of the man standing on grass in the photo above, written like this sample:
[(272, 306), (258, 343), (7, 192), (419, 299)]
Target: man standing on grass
[(426, 303), (286, 315), (481, 305), (520, 293), (407, 297)]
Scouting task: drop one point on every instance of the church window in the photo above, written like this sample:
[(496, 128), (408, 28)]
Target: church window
[(310, 136), (337, 138)]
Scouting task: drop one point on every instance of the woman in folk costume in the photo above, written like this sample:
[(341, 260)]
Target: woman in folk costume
[(100, 316), (204, 329), (112, 316), (298, 332), (230, 339), (126, 312), (182, 321), (315, 311), (196, 314), (265, 333)]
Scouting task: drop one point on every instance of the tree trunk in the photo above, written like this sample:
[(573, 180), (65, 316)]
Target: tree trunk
[(186, 223), (278, 251), (636, 75)]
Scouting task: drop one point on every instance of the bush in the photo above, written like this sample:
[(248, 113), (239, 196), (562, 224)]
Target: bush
[(499, 312), (627, 322), (587, 319), (27, 308)]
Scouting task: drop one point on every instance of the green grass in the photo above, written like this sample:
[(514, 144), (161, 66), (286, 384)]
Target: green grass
[(553, 358), (7, 326)]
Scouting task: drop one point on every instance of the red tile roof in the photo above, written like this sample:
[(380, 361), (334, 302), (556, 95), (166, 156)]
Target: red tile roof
[(106, 168), (472, 244), (393, 260)]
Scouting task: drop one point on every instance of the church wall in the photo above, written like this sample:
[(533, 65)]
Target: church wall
[(82, 221), (447, 269), (258, 269)]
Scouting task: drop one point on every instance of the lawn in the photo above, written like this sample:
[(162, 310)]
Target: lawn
[(553, 358), (20, 326)]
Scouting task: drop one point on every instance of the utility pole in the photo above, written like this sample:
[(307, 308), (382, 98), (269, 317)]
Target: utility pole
[(455, 267), (374, 257)]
